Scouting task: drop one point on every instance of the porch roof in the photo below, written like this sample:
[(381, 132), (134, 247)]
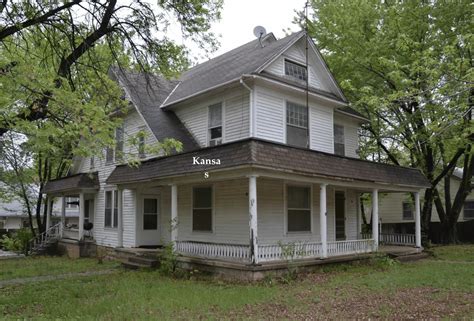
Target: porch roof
[(72, 183), (279, 157)]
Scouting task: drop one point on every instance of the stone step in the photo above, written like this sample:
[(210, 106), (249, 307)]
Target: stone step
[(143, 260), (135, 266), (412, 257)]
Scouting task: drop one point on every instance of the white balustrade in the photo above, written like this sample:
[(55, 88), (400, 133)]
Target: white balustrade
[(350, 247), (213, 250), (289, 251), (397, 239)]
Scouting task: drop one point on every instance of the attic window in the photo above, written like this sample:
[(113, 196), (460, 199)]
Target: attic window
[(296, 70)]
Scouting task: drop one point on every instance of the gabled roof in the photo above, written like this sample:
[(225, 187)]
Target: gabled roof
[(147, 92), (274, 156), (72, 183), (230, 66)]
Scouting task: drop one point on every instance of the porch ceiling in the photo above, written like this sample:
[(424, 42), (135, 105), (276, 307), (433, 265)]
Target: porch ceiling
[(279, 157), (78, 182)]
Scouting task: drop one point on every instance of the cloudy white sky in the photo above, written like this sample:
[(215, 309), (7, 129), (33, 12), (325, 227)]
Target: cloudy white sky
[(239, 17)]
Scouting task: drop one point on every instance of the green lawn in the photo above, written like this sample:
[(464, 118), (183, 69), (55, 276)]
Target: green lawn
[(433, 288), (38, 266)]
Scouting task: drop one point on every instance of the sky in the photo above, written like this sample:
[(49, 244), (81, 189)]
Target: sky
[(239, 17)]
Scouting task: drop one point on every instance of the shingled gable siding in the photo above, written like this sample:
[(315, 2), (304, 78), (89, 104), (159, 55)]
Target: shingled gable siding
[(271, 119), (296, 53), (235, 101)]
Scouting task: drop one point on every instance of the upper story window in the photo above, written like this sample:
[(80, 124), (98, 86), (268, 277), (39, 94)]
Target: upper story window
[(141, 144), (92, 162), (469, 210), (296, 70), (215, 124), (407, 211), (339, 148), (116, 154), (297, 125)]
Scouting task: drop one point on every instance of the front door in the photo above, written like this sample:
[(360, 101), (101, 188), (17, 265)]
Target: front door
[(340, 216), (149, 224)]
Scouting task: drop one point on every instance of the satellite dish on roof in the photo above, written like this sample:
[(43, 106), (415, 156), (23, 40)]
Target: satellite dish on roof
[(259, 31)]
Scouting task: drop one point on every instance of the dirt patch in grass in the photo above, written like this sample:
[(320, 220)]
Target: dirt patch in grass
[(353, 303)]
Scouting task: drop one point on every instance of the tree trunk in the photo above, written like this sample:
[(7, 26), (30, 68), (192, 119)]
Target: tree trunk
[(426, 216), (449, 233)]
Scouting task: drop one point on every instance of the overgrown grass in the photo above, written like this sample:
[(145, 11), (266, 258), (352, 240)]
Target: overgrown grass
[(38, 266), (433, 288), (454, 253)]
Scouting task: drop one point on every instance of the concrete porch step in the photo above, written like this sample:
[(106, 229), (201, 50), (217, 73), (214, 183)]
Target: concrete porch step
[(412, 257), (144, 261)]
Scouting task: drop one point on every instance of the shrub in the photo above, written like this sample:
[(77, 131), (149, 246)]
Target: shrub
[(168, 260), (17, 242)]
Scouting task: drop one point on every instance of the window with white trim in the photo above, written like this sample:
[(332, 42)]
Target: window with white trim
[(141, 146), (72, 202), (202, 209), (297, 125), (339, 147), (298, 208), (407, 210), (150, 213), (111, 209), (469, 210), (296, 70), (215, 124)]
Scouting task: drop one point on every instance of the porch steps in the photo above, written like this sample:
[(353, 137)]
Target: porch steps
[(138, 262), (412, 257)]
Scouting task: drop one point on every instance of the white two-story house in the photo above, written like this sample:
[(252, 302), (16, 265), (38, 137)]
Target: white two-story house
[(269, 161)]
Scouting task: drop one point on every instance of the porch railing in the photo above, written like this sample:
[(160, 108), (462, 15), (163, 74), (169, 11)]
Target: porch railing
[(214, 250), (288, 251), (350, 247), (397, 239)]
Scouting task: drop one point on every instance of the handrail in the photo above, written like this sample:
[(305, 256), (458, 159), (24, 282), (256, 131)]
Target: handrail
[(52, 232)]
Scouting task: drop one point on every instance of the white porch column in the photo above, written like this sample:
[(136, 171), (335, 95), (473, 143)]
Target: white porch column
[(174, 214), (375, 217), (253, 221), (120, 217), (63, 214), (81, 215), (417, 220), (48, 212), (323, 220)]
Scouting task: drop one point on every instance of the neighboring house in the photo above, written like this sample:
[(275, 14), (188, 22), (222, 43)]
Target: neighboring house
[(270, 160), (12, 216), (397, 212)]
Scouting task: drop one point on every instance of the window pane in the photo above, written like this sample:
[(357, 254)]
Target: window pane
[(115, 217), (296, 115), (407, 211), (150, 221), (109, 155), (141, 147), (469, 209), (338, 134), (202, 219), (299, 220), (108, 199), (150, 206), (295, 70), (298, 197), (296, 136), (216, 132), (215, 115), (108, 217), (115, 199), (339, 149), (202, 197)]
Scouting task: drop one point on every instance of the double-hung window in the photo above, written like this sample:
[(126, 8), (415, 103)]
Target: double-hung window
[(407, 210), (339, 147), (469, 210), (215, 124), (111, 209), (297, 125), (116, 154), (202, 209), (72, 202), (296, 70), (298, 208)]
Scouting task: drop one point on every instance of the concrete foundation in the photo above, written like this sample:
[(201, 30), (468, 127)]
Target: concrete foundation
[(76, 249)]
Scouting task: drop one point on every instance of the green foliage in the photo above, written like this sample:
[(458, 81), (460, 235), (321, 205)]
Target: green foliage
[(383, 261), (18, 241), (168, 260)]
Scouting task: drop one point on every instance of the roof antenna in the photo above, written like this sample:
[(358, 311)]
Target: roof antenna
[(259, 32)]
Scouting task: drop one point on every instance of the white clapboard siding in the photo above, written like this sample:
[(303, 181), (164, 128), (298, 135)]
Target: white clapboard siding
[(236, 118), (351, 134), (194, 115), (321, 128), (270, 115), (129, 218)]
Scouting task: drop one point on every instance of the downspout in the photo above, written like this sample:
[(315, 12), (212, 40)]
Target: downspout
[(251, 107)]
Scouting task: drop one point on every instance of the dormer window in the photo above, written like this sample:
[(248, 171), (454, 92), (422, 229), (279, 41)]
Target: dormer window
[(215, 124), (296, 70)]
